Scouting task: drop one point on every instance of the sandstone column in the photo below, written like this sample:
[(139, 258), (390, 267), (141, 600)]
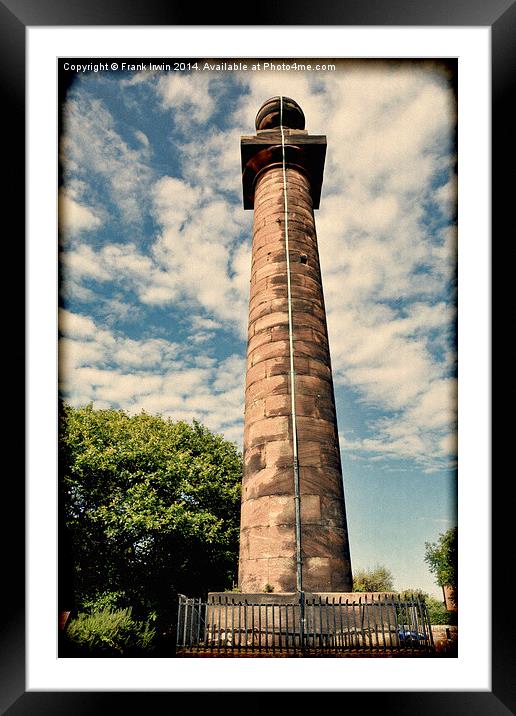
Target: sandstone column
[(269, 539)]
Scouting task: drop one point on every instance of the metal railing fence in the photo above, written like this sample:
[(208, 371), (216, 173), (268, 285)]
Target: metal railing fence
[(307, 625)]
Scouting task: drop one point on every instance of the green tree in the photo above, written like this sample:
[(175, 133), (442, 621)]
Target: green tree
[(378, 579), (441, 557), (149, 507)]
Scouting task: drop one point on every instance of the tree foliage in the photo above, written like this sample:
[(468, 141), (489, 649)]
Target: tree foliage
[(149, 507), (437, 612), (378, 579), (441, 557), (109, 633)]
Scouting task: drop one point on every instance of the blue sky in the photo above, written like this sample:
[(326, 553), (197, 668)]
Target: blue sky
[(155, 264)]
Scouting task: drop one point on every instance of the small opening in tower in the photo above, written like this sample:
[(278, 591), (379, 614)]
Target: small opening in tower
[(303, 258)]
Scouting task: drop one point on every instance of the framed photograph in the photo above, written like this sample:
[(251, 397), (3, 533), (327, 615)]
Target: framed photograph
[(459, 51)]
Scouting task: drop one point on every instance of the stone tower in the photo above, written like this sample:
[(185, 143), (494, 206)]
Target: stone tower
[(293, 521)]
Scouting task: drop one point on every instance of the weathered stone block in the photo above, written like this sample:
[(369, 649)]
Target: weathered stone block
[(253, 574), (267, 235), (341, 579), (310, 283), (326, 409), (263, 431), (279, 366), (317, 573), (270, 254), (281, 575), (305, 293), (325, 481), (261, 310), (330, 455), (314, 429), (318, 541), (267, 295), (311, 304), (270, 349), (270, 269), (256, 341), (255, 411), (307, 320), (277, 280), (301, 366), (254, 373), (272, 541), (254, 459), (244, 546), (257, 287), (306, 405), (281, 510), (278, 304), (255, 512), (321, 338), (269, 481), (309, 453), (312, 385), (272, 319), (332, 510), (275, 385), (305, 270), (278, 405), (278, 453), (311, 509), (311, 350), (320, 368)]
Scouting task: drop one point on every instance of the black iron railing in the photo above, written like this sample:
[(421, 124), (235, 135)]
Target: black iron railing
[(372, 624)]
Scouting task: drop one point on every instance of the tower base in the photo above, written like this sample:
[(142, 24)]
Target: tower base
[(317, 619), (291, 622)]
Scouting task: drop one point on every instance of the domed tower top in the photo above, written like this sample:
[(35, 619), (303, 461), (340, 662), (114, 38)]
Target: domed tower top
[(270, 112), (296, 148)]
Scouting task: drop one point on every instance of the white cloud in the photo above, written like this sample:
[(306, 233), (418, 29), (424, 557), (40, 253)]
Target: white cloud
[(83, 263), (142, 137), (202, 323), (423, 430), (93, 149), (110, 370), (189, 101), (199, 256), (76, 326), (75, 217)]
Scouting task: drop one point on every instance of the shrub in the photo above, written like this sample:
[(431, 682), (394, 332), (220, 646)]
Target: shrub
[(108, 632), (438, 613)]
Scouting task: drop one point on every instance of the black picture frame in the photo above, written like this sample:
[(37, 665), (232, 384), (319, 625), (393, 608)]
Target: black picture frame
[(15, 17)]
